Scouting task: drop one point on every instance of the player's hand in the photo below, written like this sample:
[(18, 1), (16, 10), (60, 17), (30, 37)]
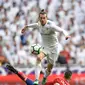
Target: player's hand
[(23, 30), (67, 37)]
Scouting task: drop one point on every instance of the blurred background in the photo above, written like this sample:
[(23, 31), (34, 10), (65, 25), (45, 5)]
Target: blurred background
[(15, 47)]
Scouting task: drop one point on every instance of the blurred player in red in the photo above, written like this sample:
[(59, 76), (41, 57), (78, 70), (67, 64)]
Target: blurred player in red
[(57, 81), (20, 75), (63, 80)]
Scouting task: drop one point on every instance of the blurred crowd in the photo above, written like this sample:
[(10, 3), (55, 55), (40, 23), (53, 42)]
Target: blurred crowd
[(15, 14)]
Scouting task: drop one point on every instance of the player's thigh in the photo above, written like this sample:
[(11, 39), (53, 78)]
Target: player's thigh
[(54, 53), (52, 58), (51, 54)]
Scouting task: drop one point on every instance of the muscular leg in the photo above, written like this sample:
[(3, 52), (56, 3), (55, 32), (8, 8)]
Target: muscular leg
[(38, 67), (51, 63), (48, 70), (47, 73)]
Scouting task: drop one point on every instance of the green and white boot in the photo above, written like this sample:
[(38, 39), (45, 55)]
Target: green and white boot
[(36, 82), (44, 81)]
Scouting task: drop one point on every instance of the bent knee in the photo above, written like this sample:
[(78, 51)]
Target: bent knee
[(38, 59), (40, 56)]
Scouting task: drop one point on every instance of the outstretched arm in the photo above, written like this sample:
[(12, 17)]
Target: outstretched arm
[(58, 29), (34, 25), (20, 75)]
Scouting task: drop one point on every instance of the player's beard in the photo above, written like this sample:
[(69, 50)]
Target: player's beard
[(41, 23)]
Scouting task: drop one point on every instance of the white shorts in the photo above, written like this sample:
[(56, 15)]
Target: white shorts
[(51, 53)]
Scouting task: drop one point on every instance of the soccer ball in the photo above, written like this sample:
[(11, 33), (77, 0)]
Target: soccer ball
[(35, 49)]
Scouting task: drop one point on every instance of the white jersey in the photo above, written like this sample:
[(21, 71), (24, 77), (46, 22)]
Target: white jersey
[(48, 33), (49, 39)]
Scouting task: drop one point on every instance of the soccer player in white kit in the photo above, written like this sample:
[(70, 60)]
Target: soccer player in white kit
[(49, 44)]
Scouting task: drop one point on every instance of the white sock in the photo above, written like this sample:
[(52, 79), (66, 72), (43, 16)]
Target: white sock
[(37, 71)]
